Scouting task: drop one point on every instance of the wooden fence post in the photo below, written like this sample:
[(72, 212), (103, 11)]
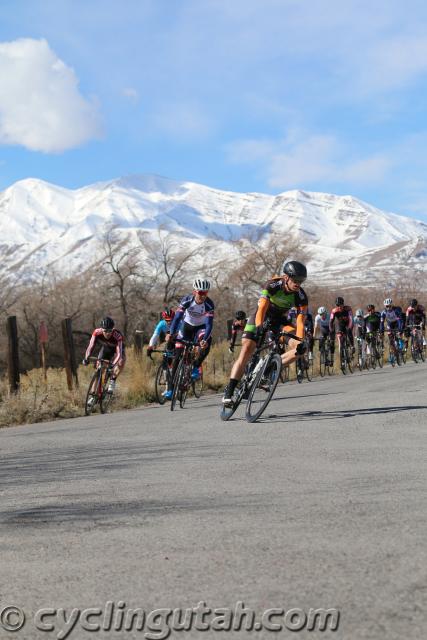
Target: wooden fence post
[(13, 354), (69, 354), (43, 339), (138, 342)]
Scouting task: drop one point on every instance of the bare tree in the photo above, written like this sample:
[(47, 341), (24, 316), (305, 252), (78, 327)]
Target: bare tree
[(168, 262), (124, 263)]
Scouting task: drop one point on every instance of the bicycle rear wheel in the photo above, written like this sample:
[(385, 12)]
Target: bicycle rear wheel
[(308, 367), (263, 387), (241, 389), (343, 360), (185, 385), (197, 386), (92, 395), (161, 383), (322, 362)]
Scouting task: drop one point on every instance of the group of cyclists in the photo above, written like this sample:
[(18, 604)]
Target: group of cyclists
[(282, 307)]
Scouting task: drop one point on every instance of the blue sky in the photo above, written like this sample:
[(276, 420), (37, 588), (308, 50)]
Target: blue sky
[(244, 95)]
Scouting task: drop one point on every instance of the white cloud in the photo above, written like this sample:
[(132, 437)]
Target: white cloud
[(300, 160), (41, 107)]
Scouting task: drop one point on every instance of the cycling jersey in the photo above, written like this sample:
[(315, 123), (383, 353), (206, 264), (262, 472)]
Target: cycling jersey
[(393, 317), (162, 328), (343, 315), (114, 346), (274, 305), (416, 315), (372, 321), (359, 327), (194, 314), (321, 325)]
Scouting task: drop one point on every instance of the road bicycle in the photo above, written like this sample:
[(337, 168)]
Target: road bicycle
[(395, 346), (97, 393), (417, 343), (183, 381), (362, 358), (346, 353), (260, 378), (304, 365), (374, 350), (325, 356)]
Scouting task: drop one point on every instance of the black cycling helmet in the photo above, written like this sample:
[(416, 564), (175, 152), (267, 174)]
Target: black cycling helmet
[(295, 270), (240, 315), (107, 323), (414, 302), (339, 301)]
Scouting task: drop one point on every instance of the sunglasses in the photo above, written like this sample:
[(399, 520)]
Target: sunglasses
[(296, 280), (201, 293)]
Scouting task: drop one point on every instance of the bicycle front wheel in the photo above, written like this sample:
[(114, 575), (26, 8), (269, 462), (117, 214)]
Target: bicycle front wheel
[(106, 397), (161, 383), (177, 384), (92, 395), (263, 387)]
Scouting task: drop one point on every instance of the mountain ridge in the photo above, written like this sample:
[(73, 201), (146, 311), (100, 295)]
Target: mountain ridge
[(43, 224)]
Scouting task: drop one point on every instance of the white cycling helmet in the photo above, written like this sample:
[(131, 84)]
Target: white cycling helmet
[(321, 311), (200, 284), (388, 302), (359, 313)]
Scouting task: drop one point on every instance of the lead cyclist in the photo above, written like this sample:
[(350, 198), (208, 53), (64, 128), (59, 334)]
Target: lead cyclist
[(279, 295)]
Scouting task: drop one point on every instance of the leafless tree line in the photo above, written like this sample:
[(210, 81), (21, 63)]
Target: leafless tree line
[(134, 281)]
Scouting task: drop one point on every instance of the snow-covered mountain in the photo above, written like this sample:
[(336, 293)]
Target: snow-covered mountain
[(350, 241)]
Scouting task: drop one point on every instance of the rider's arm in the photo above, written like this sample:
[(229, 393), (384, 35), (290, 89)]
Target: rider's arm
[(350, 318), (209, 316), (91, 344), (301, 316), (233, 335), (263, 305), (117, 336), (161, 327), (176, 320), (317, 330)]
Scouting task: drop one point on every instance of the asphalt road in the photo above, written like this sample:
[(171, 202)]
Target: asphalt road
[(322, 504)]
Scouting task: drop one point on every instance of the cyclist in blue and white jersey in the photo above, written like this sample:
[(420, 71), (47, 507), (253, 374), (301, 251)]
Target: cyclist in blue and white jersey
[(196, 311), (359, 324), (392, 315), (162, 328), (395, 321)]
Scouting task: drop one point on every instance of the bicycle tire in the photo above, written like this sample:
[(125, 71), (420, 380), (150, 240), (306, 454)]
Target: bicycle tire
[(177, 383), (308, 369), (343, 359), (270, 370), (185, 385), (197, 386), (106, 397), (89, 408), (227, 412), (159, 385), (322, 362)]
